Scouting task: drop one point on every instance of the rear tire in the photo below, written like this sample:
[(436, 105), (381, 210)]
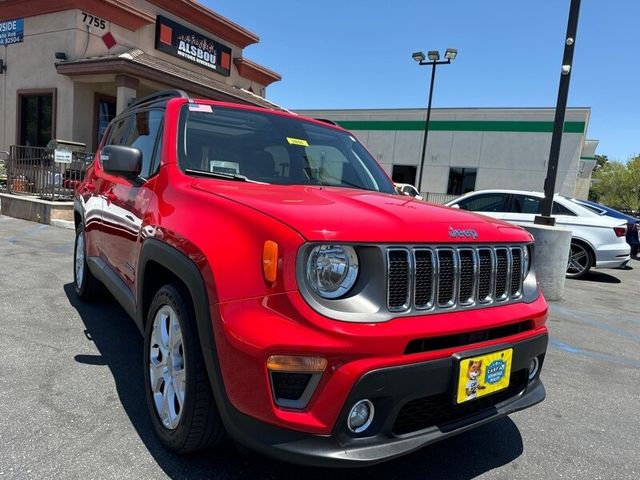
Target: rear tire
[(87, 286), (580, 260), (179, 397)]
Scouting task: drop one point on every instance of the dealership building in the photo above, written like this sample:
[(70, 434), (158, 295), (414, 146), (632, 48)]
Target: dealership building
[(67, 67), (473, 148)]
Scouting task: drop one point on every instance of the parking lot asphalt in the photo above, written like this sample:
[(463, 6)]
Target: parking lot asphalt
[(72, 400)]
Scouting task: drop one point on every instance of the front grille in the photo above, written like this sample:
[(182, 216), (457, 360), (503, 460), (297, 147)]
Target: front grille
[(440, 410), (444, 278)]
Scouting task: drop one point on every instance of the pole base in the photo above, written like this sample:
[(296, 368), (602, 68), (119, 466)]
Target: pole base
[(544, 220)]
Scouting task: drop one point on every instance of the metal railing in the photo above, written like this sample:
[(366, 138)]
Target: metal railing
[(3, 170), (44, 173), (440, 198)]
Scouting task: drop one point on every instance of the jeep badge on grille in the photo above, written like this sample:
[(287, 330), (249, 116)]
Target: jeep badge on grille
[(463, 233)]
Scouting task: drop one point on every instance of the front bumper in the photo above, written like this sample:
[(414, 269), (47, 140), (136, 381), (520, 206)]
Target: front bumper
[(398, 393)]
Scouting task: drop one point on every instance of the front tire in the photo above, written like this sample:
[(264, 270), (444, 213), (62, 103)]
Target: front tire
[(580, 260), (179, 397), (87, 286)]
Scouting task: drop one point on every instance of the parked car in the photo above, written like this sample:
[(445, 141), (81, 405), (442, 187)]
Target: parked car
[(289, 297), (632, 222), (596, 241), (410, 190)]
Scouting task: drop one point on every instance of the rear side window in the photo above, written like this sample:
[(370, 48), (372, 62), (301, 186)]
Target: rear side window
[(561, 210), (488, 202), (533, 205)]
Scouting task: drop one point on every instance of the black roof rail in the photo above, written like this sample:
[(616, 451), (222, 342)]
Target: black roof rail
[(161, 95), (326, 120)]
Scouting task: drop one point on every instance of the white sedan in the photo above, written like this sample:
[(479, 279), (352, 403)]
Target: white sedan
[(596, 241)]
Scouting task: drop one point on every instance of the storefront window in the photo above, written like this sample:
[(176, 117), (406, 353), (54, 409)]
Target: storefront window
[(36, 119)]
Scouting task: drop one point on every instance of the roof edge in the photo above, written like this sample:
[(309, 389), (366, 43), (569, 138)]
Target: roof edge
[(208, 20), (118, 12), (252, 71)]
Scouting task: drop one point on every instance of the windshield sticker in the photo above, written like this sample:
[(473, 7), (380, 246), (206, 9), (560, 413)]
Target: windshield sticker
[(297, 141), (224, 167), (199, 108)]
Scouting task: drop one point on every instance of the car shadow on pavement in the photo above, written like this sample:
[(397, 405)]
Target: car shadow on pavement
[(599, 277), (120, 349)]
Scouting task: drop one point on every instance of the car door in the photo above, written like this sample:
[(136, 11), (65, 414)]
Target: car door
[(127, 200)]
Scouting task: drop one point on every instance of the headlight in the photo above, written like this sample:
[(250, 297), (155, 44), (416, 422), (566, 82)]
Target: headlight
[(526, 262), (332, 270)]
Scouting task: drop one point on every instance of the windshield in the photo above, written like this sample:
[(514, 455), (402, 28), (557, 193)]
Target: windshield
[(269, 148)]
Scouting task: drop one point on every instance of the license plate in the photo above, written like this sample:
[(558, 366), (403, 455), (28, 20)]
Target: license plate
[(484, 374)]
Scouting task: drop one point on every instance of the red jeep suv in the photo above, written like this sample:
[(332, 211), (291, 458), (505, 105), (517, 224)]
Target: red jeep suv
[(290, 299)]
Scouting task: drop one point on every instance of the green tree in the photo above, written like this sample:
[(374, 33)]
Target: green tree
[(617, 184), (601, 161)]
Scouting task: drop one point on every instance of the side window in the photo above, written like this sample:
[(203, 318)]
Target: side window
[(119, 132), (558, 209), (157, 155), (489, 202), (526, 204), (144, 132)]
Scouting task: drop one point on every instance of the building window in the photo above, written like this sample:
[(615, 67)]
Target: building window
[(36, 117), (461, 180), (105, 111), (404, 174)]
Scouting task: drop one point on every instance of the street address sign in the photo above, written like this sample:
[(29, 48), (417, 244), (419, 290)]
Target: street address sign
[(11, 31)]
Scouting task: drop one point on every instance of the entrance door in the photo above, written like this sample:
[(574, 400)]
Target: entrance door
[(105, 111), (36, 116)]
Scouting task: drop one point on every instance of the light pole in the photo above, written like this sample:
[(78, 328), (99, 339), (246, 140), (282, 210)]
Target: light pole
[(558, 123), (434, 59)]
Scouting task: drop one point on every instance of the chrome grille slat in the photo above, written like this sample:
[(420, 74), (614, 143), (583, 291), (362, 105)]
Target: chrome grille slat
[(439, 278)]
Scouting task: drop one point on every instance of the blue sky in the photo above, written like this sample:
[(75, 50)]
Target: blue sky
[(357, 54)]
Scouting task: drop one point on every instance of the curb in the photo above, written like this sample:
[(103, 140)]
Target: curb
[(69, 225)]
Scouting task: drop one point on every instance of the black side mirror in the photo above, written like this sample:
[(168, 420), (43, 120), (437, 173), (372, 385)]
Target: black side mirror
[(121, 160)]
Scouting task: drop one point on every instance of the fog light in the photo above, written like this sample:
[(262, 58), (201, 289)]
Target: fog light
[(534, 365), (360, 416)]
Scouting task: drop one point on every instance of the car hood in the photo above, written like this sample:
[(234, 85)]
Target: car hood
[(351, 215)]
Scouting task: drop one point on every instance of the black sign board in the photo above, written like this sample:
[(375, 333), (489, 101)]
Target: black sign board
[(182, 42)]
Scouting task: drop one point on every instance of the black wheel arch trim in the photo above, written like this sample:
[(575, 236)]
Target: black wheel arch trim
[(189, 274), (78, 208)]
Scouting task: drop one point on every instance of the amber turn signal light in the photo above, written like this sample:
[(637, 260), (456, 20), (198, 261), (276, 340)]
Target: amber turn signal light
[(270, 260), (297, 364)]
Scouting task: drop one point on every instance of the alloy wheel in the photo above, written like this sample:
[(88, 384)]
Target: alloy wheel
[(167, 369), (79, 260), (578, 260)]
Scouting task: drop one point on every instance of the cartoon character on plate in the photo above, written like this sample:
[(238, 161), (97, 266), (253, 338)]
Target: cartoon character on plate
[(473, 373)]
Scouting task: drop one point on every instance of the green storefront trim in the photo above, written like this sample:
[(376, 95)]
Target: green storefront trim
[(460, 126)]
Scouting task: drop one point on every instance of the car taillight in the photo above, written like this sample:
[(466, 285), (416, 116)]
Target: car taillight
[(620, 231)]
